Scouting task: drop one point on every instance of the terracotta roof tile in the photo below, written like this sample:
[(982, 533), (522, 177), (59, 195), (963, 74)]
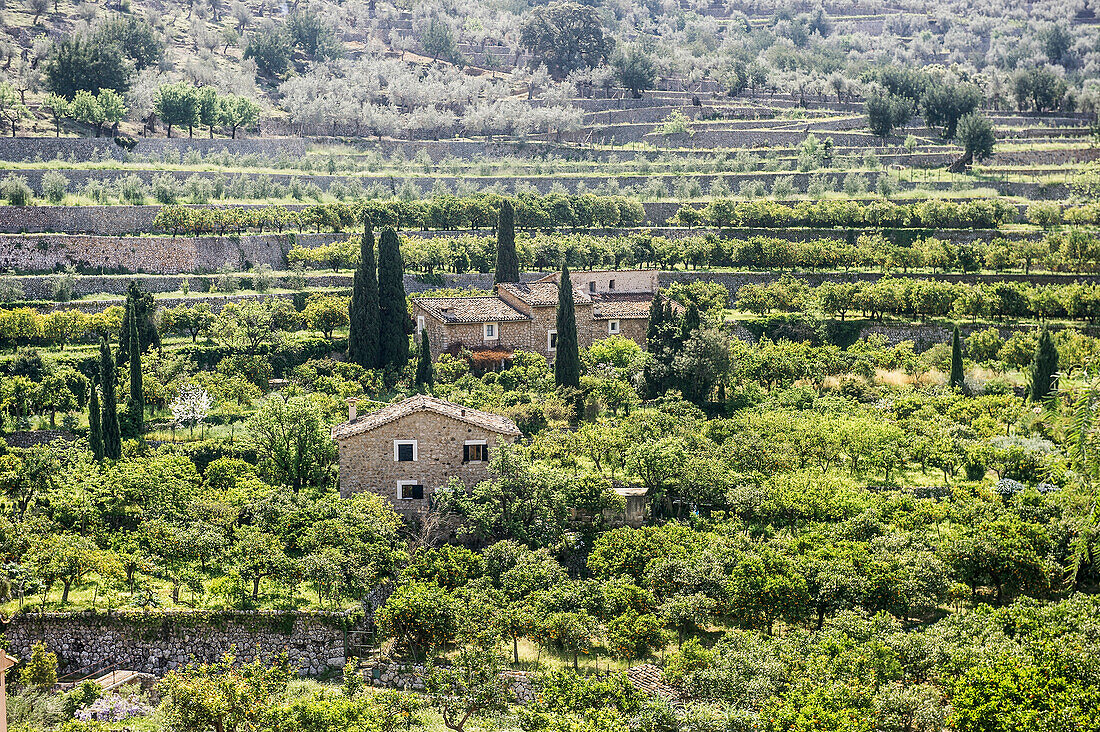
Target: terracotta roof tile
[(483, 309), (421, 403), (621, 305), (541, 293)]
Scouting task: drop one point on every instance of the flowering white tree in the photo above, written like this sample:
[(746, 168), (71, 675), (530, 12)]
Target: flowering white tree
[(191, 406)]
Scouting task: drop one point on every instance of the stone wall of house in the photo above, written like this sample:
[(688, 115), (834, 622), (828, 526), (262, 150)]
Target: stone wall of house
[(368, 461), (158, 642)]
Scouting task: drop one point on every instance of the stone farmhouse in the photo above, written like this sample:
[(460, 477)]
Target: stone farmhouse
[(406, 450), (522, 315)]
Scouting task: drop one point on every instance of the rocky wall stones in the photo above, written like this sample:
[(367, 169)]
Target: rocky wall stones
[(84, 148), (410, 677), (158, 642)]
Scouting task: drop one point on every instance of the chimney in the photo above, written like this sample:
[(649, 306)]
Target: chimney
[(352, 401)]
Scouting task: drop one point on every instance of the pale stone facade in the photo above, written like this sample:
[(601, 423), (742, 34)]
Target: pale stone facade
[(522, 316), (405, 451)]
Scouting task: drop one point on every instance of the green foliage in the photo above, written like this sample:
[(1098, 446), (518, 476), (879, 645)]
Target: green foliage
[(420, 615), (77, 63), (223, 695), (394, 324), (1044, 368), (955, 378), (566, 36), (567, 359), (507, 269), (40, 670), (425, 372), (112, 436), (976, 136), (270, 47)]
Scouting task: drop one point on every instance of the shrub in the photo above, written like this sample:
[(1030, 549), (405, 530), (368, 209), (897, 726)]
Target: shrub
[(132, 189), (54, 186), (166, 189), (40, 670), (14, 190)]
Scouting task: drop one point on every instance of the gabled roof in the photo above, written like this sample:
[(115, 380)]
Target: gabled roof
[(540, 293), (482, 309), (425, 403)]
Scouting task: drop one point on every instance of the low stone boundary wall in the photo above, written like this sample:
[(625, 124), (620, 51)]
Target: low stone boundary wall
[(157, 642)]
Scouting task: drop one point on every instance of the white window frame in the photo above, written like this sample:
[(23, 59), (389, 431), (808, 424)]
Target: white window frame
[(613, 327), (485, 331), (401, 485), (550, 340), (483, 443), (397, 443), (420, 324)]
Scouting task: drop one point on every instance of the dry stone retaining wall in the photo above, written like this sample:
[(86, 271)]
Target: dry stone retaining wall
[(156, 643), (410, 677), (151, 254), (82, 148)]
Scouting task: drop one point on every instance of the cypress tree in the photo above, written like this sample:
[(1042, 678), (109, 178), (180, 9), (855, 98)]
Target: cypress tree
[(363, 333), (144, 308), (425, 373), (956, 380), (567, 364), (1044, 368), (112, 437), (393, 330), (690, 323), (137, 398), (507, 259), (95, 425), (653, 327)]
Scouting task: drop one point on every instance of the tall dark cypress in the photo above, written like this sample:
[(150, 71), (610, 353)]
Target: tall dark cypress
[(425, 373), (112, 437), (690, 323), (507, 259), (956, 379), (144, 308), (363, 333), (653, 327), (137, 398), (1044, 368), (95, 425), (393, 312), (567, 363)]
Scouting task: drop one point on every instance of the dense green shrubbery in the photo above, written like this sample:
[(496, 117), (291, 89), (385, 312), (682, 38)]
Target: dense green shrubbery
[(448, 212), (932, 213)]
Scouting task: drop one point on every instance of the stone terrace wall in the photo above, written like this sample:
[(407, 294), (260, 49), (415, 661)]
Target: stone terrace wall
[(152, 255), (734, 281), (410, 677), (82, 148), (156, 643), (40, 287)]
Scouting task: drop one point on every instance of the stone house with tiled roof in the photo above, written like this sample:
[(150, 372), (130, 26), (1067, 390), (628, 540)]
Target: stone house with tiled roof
[(404, 451), (523, 315)]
